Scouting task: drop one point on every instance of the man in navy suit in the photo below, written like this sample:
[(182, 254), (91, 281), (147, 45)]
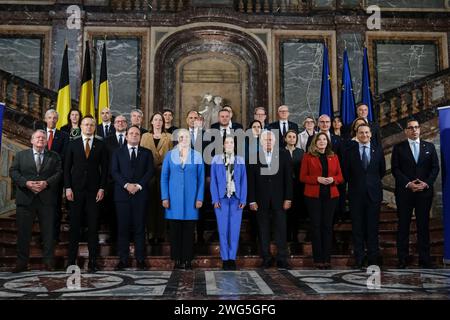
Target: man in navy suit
[(283, 124), (85, 174), (106, 128), (220, 125), (364, 167), (57, 141), (415, 167), (363, 111), (131, 169)]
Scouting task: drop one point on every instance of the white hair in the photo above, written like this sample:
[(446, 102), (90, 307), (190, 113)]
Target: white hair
[(50, 111)]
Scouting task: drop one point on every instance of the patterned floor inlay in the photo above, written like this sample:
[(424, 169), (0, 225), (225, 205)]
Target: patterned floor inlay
[(230, 285)]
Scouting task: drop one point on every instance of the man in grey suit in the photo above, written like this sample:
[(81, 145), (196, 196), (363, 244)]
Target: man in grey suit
[(36, 173)]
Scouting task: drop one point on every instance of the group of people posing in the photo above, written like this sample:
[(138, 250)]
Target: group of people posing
[(139, 180)]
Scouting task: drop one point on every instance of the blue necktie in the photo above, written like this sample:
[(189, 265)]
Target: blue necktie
[(120, 140), (416, 151), (364, 159), (284, 128)]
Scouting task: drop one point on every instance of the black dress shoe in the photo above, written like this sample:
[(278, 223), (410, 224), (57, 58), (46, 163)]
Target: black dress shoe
[(187, 265), (232, 265), (427, 265), (267, 263), (121, 266), (178, 265), (225, 265), (92, 266), (141, 266), (401, 264), (20, 268), (282, 264)]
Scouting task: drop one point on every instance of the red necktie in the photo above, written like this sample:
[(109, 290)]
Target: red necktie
[(50, 140)]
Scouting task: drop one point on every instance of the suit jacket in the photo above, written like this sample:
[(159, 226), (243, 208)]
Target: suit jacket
[(23, 169), (337, 144), (405, 169), (234, 125), (270, 190), (60, 141), (276, 125), (364, 182), (81, 174), (182, 186), (164, 145), (296, 161), (311, 169), (100, 132), (218, 185), (123, 172)]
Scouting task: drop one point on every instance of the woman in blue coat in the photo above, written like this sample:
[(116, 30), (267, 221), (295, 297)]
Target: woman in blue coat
[(229, 194), (182, 184)]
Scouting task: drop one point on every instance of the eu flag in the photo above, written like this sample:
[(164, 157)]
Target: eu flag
[(366, 94), (326, 104), (2, 109), (348, 107)]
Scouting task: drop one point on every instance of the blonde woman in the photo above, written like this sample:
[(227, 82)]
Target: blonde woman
[(159, 142)]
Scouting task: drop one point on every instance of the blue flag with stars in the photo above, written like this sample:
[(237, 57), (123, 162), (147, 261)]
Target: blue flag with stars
[(326, 103), (348, 106), (366, 94)]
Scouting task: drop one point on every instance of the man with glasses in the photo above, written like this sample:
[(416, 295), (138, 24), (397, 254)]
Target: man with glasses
[(415, 167), (261, 115), (283, 124), (324, 124)]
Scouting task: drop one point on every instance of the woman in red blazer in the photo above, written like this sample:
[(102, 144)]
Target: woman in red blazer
[(321, 173)]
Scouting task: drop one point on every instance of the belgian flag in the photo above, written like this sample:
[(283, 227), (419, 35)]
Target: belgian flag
[(87, 106), (103, 92), (63, 103)]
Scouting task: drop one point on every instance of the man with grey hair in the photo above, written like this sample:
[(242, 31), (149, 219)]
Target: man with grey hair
[(270, 191), (136, 117), (57, 141), (283, 124), (36, 173)]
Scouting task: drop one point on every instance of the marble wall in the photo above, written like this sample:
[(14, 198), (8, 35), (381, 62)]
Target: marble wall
[(22, 56), (399, 62), (123, 56), (301, 77)]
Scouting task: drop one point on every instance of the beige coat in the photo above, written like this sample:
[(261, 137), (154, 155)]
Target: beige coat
[(164, 145)]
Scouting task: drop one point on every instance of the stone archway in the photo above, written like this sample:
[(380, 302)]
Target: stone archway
[(198, 48)]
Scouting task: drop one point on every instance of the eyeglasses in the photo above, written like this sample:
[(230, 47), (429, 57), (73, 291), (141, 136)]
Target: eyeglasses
[(413, 128)]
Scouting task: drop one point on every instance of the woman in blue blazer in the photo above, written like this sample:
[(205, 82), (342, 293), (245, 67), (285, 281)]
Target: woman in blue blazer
[(229, 194), (182, 189)]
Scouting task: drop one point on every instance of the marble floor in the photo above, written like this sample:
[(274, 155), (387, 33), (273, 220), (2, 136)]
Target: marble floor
[(257, 284)]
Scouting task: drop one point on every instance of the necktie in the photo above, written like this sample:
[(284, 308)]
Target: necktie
[(192, 137), (224, 135), (416, 151), (106, 130), (38, 161), (284, 128), (50, 140), (120, 140), (364, 159), (133, 156), (87, 150)]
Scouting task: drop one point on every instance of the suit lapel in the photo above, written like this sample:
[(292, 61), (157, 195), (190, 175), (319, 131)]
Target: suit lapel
[(31, 160), (409, 152)]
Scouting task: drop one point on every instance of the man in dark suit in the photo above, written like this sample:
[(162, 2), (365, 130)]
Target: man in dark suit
[(270, 191), (364, 167), (415, 167), (136, 118), (36, 173), (107, 208), (226, 122), (132, 169), (57, 141), (106, 128), (85, 174), (362, 111), (324, 123), (260, 114), (283, 124)]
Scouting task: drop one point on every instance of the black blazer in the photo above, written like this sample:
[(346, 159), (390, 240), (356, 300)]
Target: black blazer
[(296, 162), (405, 169), (100, 132), (123, 172), (81, 174), (270, 191), (60, 141), (23, 169), (364, 182), (337, 144), (276, 125), (234, 125)]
